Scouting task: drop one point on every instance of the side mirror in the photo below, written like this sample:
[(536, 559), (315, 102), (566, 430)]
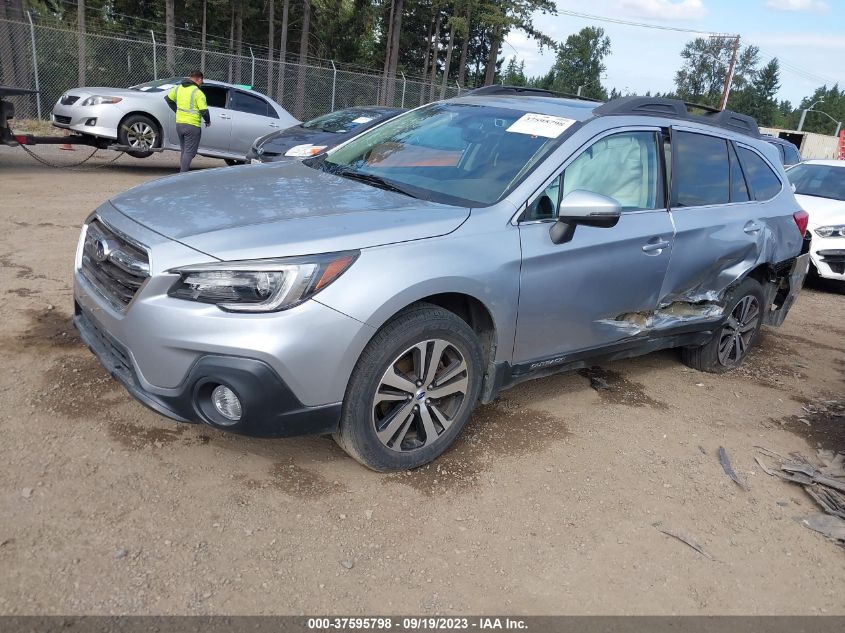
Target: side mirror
[(587, 208)]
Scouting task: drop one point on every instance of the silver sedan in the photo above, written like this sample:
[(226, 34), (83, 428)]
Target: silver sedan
[(140, 118)]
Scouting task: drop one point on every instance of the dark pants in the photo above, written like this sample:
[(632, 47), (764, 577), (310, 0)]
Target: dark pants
[(189, 141)]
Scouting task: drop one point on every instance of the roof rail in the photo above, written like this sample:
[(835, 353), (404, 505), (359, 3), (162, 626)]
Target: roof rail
[(496, 90), (499, 90), (676, 109)]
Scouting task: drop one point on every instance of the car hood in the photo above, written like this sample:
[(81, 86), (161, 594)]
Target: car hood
[(281, 209), (823, 211), (112, 92), (297, 135)]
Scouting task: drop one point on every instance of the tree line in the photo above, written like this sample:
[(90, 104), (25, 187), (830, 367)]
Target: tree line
[(579, 70), (445, 42)]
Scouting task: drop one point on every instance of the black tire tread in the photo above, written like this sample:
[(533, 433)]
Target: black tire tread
[(424, 315), (121, 134), (705, 357)]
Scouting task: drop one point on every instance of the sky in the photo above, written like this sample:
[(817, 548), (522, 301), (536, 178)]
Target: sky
[(808, 37)]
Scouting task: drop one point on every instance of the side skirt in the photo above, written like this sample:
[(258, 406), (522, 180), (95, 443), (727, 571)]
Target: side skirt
[(507, 375)]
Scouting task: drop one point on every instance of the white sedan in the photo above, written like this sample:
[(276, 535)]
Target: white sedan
[(139, 117), (819, 187)]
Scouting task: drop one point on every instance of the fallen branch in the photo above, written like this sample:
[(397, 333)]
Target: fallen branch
[(683, 538), (729, 470)]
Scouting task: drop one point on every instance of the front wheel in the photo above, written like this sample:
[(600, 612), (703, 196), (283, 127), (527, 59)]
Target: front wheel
[(412, 391), (729, 346), (141, 133)]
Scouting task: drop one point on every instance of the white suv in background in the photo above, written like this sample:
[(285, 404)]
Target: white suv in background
[(819, 187)]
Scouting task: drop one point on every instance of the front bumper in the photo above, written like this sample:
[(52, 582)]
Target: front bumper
[(270, 409), (292, 366), (828, 254), (75, 117)]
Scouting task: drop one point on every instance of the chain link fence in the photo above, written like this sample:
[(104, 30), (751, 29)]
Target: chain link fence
[(46, 58)]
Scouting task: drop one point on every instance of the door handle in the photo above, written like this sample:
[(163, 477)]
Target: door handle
[(225, 116), (752, 227), (655, 246), (274, 125)]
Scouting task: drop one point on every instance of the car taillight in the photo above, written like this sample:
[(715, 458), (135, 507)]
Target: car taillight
[(801, 218)]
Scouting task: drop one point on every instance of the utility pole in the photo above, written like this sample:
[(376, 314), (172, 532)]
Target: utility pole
[(726, 91), (81, 36), (804, 114)]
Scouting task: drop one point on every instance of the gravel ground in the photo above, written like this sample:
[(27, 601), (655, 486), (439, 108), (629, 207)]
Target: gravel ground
[(546, 505)]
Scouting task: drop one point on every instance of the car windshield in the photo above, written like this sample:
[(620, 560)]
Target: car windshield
[(455, 153), (159, 85), (824, 181), (341, 121)]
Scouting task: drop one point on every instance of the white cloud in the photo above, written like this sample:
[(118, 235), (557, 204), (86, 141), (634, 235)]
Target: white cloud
[(667, 9), (798, 5)]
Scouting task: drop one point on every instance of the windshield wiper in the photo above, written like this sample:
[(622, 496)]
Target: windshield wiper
[(371, 179)]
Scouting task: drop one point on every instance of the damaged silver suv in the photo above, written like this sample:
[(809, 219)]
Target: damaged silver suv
[(379, 291)]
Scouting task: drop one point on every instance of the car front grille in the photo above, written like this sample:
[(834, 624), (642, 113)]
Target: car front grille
[(69, 99), (835, 259), (112, 354), (113, 265), (61, 119)]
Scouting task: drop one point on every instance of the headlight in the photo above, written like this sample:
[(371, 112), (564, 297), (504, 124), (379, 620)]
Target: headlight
[(305, 150), (837, 230), (99, 100), (260, 285)]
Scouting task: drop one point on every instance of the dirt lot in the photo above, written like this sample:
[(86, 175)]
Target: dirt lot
[(546, 505)]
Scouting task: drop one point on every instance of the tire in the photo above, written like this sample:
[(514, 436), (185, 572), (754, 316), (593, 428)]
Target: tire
[(139, 131), (231, 162), (401, 425), (745, 308)]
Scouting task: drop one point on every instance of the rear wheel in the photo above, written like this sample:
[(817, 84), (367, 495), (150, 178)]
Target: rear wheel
[(412, 391), (729, 347), (141, 133)]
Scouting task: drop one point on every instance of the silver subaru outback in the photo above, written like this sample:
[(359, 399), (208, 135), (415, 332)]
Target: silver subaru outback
[(380, 291)]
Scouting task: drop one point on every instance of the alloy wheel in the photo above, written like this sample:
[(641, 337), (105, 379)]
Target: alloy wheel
[(738, 331), (420, 395), (141, 135)]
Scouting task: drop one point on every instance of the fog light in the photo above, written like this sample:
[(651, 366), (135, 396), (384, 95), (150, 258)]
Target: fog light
[(227, 403), (91, 122)]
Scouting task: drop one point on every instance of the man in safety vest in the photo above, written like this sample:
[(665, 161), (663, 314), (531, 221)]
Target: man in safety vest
[(189, 104)]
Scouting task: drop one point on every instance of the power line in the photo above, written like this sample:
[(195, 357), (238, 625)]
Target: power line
[(646, 25), (796, 70)]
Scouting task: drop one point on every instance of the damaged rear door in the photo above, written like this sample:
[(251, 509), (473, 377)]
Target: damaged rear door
[(571, 294), (718, 231)]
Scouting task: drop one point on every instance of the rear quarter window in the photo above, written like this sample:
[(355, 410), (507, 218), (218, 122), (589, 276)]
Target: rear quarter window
[(764, 183)]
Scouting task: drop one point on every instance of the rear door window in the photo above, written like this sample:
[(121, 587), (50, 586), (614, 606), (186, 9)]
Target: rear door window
[(243, 102), (764, 183), (701, 170)]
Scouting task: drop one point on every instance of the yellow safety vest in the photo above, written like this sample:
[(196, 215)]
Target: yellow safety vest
[(189, 101)]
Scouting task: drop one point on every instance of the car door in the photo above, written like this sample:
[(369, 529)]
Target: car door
[(717, 231), (585, 294), (252, 117), (215, 138)]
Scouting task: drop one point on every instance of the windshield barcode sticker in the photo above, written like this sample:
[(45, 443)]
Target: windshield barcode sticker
[(541, 125)]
